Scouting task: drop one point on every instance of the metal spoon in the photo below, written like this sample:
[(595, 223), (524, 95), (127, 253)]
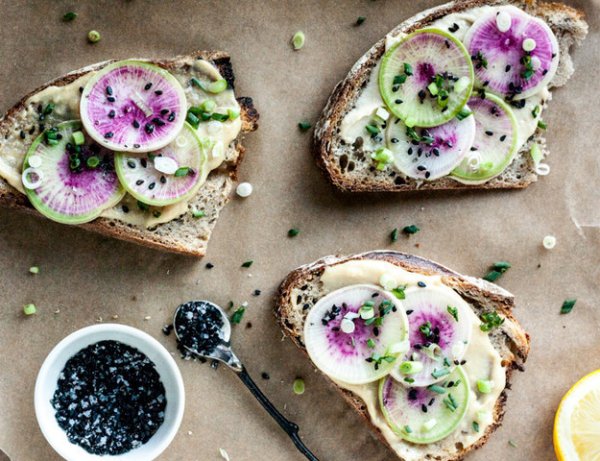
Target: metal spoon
[(203, 329)]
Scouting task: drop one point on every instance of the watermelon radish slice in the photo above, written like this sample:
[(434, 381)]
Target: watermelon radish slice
[(495, 142), (133, 106), (439, 331), (166, 176), (514, 53), (426, 78), (430, 153), (352, 343), (425, 414), (68, 183)]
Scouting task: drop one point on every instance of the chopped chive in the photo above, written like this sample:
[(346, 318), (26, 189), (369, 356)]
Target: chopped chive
[(70, 16), (93, 161), (293, 232), (412, 229), (304, 126), (399, 79), (360, 20), (93, 36), (437, 389), (247, 263), (464, 113), (183, 171), (299, 386), (453, 311), (439, 373), (408, 69), (542, 125), (238, 315), (567, 306), (399, 292), (372, 129), (197, 214), (29, 309), (502, 266), (192, 119), (536, 111), (394, 235), (298, 40), (475, 426), (34, 270), (450, 403)]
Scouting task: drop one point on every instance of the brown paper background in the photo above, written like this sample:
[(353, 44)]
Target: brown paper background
[(87, 276)]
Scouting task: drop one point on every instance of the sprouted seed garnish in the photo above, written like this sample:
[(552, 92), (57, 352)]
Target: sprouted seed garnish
[(29, 309), (293, 232), (490, 320), (238, 315), (93, 36), (247, 263), (298, 40), (409, 230), (34, 270), (304, 126), (299, 386), (453, 311), (70, 16), (567, 306)]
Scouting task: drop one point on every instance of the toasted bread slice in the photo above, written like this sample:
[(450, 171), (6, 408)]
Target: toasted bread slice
[(185, 234), (302, 288), (351, 169)]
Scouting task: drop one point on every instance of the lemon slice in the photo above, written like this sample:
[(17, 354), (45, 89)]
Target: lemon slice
[(577, 422)]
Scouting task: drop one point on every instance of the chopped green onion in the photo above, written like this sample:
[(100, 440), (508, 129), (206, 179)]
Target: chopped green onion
[(453, 311), (233, 113), (218, 86), (372, 129), (304, 126), (360, 20), (34, 270), (93, 36), (439, 373), (192, 119), (412, 229), (293, 232), (536, 153), (70, 16), (411, 367), (78, 138), (567, 306), (183, 171), (48, 109), (484, 386), (93, 161), (208, 106), (433, 89), (220, 117), (29, 309), (238, 315), (394, 235), (408, 69), (541, 124), (399, 292), (299, 386), (247, 263), (197, 214), (536, 111), (383, 157), (399, 79), (492, 276), (464, 113), (371, 343), (298, 40)]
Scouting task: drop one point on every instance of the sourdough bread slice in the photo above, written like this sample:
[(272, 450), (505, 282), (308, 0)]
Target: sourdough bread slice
[(302, 288), (351, 169), (185, 234)]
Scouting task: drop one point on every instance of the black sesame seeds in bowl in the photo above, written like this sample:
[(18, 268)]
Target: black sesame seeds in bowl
[(109, 391)]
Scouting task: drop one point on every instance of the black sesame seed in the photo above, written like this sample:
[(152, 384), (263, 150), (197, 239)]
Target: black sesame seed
[(424, 408), (502, 138), (265, 375), (111, 114), (109, 135), (139, 182), (136, 146), (130, 163), (421, 168), (545, 71), (398, 101), (158, 92), (42, 127), (111, 99), (507, 68), (149, 128), (435, 151), (257, 292), (151, 185), (209, 265), (394, 140), (410, 151), (148, 86), (447, 43), (409, 311), (427, 174), (163, 180), (22, 134), (109, 91), (421, 284), (489, 133), (412, 394), (431, 401), (171, 117), (164, 112), (136, 124), (125, 209), (454, 27)]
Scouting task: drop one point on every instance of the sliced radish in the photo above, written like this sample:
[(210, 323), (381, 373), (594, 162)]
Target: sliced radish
[(425, 414), (495, 142), (430, 153), (133, 106), (166, 176), (426, 78), (70, 184), (439, 331), (514, 54), (350, 342)]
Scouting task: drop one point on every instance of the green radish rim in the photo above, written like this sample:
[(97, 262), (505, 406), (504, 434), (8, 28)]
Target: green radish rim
[(466, 178), (40, 206), (444, 116), (121, 160), (411, 437)]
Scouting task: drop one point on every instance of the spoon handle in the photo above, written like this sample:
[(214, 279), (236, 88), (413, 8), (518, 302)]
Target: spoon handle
[(288, 426)]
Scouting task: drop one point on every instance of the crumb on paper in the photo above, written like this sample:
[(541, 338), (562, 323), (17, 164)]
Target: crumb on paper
[(148, 317), (224, 454), (115, 317)]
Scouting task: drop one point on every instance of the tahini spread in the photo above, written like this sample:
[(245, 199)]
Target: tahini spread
[(66, 107), (353, 124), (482, 361)]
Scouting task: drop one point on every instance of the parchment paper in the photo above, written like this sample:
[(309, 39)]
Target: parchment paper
[(90, 278)]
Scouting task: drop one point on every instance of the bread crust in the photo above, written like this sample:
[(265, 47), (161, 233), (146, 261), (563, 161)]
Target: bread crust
[(566, 22), (473, 289), (10, 197)]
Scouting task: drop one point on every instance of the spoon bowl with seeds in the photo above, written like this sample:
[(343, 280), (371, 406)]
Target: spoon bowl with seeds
[(202, 329)]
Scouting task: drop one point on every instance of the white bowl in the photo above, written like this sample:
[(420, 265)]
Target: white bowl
[(47, 381)]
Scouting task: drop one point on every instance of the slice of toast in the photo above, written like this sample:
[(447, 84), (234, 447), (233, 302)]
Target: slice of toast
[(185, 234), (351, 169), (302, 288)]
